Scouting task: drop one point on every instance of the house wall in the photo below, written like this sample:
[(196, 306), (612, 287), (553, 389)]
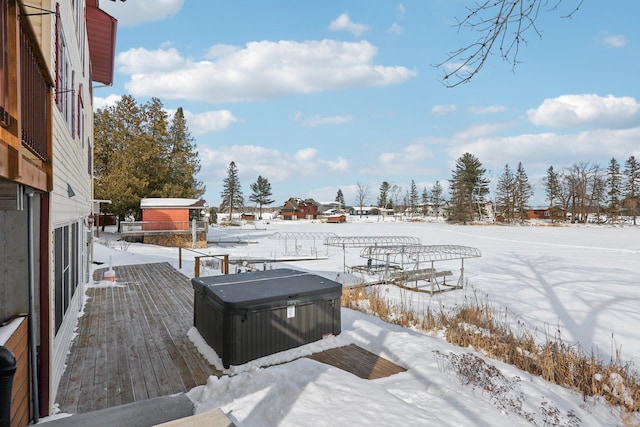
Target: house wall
[(72, 136)]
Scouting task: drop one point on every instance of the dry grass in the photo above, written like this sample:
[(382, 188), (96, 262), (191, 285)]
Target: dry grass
[(478, 325)]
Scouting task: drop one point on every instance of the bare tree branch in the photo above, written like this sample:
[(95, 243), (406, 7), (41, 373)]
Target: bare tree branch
[(502, 26)]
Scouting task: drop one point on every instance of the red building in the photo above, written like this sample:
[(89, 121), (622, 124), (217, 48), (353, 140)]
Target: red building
[(171, 213), (296, 208)]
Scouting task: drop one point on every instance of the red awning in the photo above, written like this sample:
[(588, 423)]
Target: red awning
[(101, 30)]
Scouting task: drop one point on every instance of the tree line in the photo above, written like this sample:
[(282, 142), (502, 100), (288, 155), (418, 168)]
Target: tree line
[(232, 197), (575, 192), (142, 152)]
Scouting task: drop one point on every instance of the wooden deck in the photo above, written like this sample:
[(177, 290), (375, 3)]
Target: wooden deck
[(132, 343), (358, 361)]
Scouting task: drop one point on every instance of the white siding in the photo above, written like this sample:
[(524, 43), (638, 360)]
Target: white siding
[(70, 168)]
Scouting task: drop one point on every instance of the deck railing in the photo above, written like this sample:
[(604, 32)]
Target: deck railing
[(34, 100), (143, 227)]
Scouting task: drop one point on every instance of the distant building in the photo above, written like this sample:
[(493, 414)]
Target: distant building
[(169, 222), (552, 213), (171, 213), (370, 210), (296, 208)]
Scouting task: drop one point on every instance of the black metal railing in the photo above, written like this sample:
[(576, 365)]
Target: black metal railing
[(34, 101)]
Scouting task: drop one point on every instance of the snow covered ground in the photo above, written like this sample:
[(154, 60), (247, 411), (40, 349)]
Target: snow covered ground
[(578, 282)]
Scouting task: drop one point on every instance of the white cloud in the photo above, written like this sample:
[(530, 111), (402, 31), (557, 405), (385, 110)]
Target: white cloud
[(457, 67), (105, 102), (541, 150), (443, 110), (395, 28), (260, 70), (412, 157), (569, 111), (489, 109), (305, 155), (136, 12), (401, 9), (481, 130), (210, 121), (315, 121), (612, 40), (344, 23), (143, 61), (340, 165), (275, 165)]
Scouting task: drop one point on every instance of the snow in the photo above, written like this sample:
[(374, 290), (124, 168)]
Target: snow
[(578, 283)]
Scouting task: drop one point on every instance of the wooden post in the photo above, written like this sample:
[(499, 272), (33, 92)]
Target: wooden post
[(196, 272), (225, 265), (180, 257)]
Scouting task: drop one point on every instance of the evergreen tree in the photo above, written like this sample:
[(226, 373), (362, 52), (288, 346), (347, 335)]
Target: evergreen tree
[(505, 194), (554, 192), (632, 186), (261, 191), (119, 150), (383, 199), (468, 188), (613, 190), (425, 200), (436, 197), (340, 198), (231, 194), (134, 156), (523, 192), (183, 161), (153, 158), (413, 197)]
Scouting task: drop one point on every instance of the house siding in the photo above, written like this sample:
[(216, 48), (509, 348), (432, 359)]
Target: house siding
[(70, 171)]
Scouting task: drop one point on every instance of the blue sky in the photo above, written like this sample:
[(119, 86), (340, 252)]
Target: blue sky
[(323, 95)]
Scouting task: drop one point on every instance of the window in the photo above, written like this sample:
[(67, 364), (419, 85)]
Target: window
[(80, 109), (89, 159), (65, 77), (67, 268)]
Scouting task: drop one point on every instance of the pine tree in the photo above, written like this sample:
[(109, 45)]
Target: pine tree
[(413, 197), (632, 186), (505, 194), (231, 194), (261, 191), (552, 186), (425, 200), (436, 197), (183, 161), (613, 190), (468, 188), (340, 198), (523, 192), (383, 199), (154, 159), (554, 194), (120, 144), (136, 156)]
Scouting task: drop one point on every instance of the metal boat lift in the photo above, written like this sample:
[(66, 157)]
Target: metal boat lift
[(417, 262), (369, 241), (295, 236)]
